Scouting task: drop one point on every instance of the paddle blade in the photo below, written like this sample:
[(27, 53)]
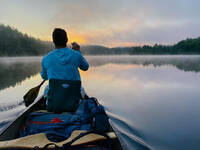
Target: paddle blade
[(31, 95)]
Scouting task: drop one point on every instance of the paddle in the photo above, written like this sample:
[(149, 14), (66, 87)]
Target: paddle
[(32, 94)]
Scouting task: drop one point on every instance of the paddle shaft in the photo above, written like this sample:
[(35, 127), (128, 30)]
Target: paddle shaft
[(32, 94), (41, 83)]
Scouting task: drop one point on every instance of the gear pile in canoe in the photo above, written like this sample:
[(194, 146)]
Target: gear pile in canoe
[(87, 128)]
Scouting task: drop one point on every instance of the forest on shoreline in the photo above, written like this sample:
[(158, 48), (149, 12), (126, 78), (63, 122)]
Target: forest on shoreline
[(15, 43)]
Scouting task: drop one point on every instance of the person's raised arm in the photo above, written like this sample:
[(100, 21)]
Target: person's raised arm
[(83, 62)]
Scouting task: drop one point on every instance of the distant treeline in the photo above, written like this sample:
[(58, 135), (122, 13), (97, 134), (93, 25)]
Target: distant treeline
[(188, 46), (15, 43)]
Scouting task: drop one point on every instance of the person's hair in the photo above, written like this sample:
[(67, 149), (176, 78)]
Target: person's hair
[(59, 37)]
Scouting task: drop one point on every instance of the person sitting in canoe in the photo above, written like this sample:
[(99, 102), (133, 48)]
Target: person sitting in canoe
[(60, 67)]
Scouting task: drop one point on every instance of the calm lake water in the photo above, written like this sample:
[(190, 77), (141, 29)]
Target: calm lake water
[(153, 101)]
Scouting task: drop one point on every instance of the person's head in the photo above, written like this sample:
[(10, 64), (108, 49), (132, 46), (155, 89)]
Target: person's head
[(59, 37)]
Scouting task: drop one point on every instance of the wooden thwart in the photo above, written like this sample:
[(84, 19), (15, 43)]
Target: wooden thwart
[(41, 140)]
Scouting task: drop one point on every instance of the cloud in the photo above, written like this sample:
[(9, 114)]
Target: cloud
[(149, 35), (107, 22), (130, 21)]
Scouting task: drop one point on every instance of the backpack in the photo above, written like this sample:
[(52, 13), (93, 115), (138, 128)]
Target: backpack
[(100, 118)]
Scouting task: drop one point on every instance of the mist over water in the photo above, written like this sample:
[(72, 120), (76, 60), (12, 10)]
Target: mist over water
[(153, 101)]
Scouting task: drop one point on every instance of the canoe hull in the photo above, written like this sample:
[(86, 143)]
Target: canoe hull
[(12, 131)]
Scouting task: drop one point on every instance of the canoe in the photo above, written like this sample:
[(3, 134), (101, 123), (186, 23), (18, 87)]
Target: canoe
[(9, 136)]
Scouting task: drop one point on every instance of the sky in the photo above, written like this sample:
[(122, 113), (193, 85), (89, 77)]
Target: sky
[(110, 23)]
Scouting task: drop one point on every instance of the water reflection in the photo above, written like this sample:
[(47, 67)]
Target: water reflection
[(153, 101), (15, 70), (182, 62), (161, 104)]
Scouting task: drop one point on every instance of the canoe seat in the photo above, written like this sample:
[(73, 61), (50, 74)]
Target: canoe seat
[(41, 140)]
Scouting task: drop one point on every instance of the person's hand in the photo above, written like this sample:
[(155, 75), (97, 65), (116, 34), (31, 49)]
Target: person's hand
[(75, 46)]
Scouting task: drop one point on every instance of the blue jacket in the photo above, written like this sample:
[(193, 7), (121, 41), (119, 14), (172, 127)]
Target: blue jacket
[(63, 64)]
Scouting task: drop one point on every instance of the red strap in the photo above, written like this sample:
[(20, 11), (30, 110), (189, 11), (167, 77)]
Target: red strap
[(56, 120)]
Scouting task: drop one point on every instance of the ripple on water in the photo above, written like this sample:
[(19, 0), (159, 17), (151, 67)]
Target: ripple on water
[(127, 134), (9, 114)]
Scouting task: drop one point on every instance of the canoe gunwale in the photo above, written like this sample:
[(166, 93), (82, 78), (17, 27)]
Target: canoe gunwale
[(6, 133)]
